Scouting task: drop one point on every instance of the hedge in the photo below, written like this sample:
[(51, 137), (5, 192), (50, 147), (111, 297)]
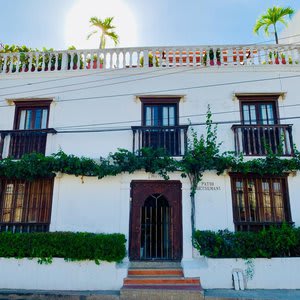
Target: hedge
[(68, 245), (281, 241)]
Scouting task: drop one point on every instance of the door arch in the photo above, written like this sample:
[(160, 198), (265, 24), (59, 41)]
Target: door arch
[(155, 220)]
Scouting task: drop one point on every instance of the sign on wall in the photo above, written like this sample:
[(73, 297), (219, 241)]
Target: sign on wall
[(208, 186)]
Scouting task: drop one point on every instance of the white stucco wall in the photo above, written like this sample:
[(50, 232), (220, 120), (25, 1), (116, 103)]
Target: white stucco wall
[(275, 273), (106, 98), (61, 275), (89, 204)]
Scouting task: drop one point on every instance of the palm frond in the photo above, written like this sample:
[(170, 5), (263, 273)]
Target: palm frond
[(114, 37), (91, 33), (106, 29), (271, 17)]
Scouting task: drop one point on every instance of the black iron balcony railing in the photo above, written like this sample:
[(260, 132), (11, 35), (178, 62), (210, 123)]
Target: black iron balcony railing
[(24, 141), (257, 140), (24, 227), (171, 138)]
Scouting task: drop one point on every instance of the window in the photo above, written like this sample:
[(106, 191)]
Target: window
[(25, 206), (160, 114), (259, 201), (30, 128), (260, 130), (259, 113), (31, 115)]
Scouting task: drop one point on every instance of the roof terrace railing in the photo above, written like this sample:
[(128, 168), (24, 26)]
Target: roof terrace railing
[(158, 57)]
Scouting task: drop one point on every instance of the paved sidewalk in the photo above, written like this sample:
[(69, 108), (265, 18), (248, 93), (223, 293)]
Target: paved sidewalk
[(252, 294), (217, 294)]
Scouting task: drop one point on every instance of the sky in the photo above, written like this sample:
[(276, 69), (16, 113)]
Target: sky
[(59, 24)]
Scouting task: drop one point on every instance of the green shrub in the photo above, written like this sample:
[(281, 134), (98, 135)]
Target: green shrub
[(274, 242), (68, 245)]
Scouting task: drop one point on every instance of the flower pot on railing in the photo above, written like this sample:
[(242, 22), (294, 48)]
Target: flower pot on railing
[(95, 62), (276, 58), (270, 58), (218, 56), (95, 65), (211, 57), (150, 60), (204, 58), (225, 58), (241, 57)]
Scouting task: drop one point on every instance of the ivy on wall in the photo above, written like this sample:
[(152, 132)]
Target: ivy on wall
[(36, 165), (203, 154), (192, 165)]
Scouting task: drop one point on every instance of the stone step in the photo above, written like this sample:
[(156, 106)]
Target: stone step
[(161, 281), (155, 265), (172, 287), (160, 293), (155, 272)]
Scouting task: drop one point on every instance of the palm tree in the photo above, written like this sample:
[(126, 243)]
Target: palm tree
[(106, 30), (271, 17)]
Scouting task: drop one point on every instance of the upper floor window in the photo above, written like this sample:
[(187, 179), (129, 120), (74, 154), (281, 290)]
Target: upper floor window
[(30, 128), (160, 126), (163, 114), (259, 113), (25, 205), (259, 201), (31, 115), (260, 129)]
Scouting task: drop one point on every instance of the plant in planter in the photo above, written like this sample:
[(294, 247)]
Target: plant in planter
[(283, 61), (75, 60), (150, 60), (276, 58), (290, 60), (218, 56), (211, 57), (204, 58), (95, 62), (270, 58)]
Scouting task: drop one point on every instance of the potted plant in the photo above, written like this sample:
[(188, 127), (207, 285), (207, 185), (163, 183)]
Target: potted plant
[(283, 61), (150, 60), (270, 58), (218, 56), (276, 58), (211, 57), (95, 62), (204, 58), (225, 58)]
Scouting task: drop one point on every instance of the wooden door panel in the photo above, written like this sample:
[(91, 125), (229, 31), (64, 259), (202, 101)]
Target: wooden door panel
[(140, 190)]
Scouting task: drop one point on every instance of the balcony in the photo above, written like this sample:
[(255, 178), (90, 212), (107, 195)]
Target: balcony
[(24, 227), (159, 57), (171, 138), (16, 143), (256, 140)]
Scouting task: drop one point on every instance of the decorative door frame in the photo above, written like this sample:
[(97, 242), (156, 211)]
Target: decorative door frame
[(140, 190)]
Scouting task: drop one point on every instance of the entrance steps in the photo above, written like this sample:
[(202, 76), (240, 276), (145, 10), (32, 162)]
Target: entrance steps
[(159, 280)]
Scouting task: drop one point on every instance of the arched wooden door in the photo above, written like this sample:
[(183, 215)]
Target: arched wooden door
[(155, 220)]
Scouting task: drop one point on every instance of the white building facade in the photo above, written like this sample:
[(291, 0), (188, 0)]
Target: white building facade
[(53, 102)]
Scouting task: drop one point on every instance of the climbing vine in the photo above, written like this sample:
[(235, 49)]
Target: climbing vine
[(203, 154)]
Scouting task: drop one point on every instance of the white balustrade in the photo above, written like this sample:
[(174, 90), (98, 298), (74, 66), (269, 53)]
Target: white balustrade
[(161, 57)]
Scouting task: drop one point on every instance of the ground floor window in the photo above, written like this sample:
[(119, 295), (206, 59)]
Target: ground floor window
[(259, 202), (25, 206)]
